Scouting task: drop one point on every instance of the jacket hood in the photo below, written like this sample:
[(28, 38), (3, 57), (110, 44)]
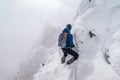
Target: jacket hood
[(67, 30)]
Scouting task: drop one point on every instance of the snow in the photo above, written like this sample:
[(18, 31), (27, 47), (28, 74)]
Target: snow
[(114, 53), (53, 69), (103, 71), (102, 18)]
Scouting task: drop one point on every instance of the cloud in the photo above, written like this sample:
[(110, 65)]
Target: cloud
[(45, 4)]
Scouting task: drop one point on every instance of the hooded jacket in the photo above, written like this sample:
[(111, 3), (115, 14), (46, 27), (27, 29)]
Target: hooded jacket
[(69, 41)]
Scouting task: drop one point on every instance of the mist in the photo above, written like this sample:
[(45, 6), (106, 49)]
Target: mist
[(23, 23)]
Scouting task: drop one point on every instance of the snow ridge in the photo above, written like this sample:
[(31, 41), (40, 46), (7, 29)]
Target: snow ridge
[(102, 19)]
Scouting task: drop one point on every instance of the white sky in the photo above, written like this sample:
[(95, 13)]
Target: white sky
[(22, 23)]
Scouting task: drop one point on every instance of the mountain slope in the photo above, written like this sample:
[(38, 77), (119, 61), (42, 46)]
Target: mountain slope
[(100, 17)]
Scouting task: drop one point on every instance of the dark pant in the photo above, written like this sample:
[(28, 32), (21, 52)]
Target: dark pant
[(71, 52)]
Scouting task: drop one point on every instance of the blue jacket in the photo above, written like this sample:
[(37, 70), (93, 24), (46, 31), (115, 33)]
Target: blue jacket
[(69, 42)]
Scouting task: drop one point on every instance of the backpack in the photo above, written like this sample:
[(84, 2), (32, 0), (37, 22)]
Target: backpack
[(62, 40)]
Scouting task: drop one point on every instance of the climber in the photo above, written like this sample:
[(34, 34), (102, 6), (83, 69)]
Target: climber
[(66, 43)]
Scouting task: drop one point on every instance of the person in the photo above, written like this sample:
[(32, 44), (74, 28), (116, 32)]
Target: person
[(69, 45)]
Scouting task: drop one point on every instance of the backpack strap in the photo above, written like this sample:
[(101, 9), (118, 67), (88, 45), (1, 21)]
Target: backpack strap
[(65, 34)]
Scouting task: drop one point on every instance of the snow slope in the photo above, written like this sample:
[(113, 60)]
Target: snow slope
[(53, 69), (102, 18)]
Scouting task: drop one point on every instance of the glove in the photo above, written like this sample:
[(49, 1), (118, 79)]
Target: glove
[(73, 46)]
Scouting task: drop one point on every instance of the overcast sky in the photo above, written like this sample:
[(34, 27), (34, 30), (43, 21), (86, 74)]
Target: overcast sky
[(22, 23)]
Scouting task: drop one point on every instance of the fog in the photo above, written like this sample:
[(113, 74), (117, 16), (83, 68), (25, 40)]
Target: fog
[(22, 24)]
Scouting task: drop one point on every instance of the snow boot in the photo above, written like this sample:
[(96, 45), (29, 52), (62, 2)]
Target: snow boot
[(70, 61), (63, 59)]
